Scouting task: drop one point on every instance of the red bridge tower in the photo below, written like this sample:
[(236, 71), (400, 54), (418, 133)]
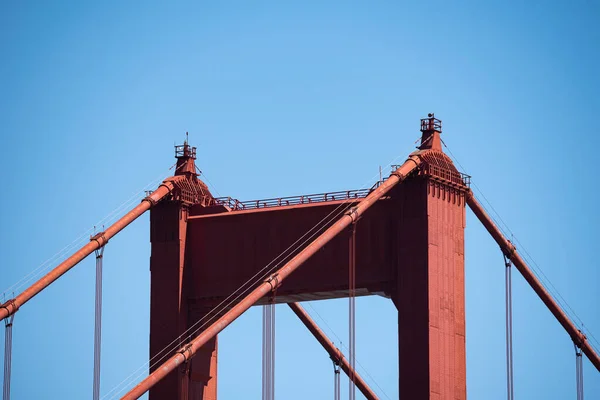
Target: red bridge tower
[(409, 248)]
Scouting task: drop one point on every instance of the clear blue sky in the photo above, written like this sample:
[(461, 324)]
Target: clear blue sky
[(285, 99)]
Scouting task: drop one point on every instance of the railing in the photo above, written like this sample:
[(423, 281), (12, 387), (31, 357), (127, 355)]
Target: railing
[(185, 150), (431, 124), (235, 204)]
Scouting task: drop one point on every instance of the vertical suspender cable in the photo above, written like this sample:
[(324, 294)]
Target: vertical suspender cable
[(579, 372), (7, 357), (352, 311), (264, 353), (268, 364), (98, 324), (336, 380), (272, 351), (509, 347)]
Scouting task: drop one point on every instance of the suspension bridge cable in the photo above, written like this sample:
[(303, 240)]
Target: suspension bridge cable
[(243, 285), (538, 271), (98, 324), (7, 357), (352, 311), (336, 380), (268, 356), (509, 330), (578, 371)]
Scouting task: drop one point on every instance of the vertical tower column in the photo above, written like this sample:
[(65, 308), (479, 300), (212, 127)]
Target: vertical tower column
[(170, 313), (429, 291), (203, 373), (168, 308)]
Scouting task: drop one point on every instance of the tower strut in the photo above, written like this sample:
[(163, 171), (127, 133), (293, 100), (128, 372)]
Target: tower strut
[(336, 355), (11, 306), (263, 289), (511, 253)]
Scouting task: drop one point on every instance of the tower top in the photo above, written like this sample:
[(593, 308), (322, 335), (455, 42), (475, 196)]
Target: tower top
[(185, 155), (431, 128)]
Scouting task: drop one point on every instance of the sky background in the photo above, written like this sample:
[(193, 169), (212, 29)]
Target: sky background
[(288, 98)]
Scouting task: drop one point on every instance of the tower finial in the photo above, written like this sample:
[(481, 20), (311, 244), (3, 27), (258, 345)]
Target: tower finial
[(431, 128), (185, 155)]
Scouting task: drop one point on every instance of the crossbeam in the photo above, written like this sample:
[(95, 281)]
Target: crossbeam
[(188, 351)]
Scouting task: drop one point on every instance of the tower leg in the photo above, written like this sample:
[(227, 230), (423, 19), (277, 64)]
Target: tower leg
[(203, 376), (203, 368), (429, 293), (168, 308)]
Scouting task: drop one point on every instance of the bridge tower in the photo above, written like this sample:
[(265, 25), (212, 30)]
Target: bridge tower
[(409, 248)]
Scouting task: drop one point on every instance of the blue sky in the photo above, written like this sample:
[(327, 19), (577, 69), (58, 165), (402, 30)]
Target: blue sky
[(286, 98)]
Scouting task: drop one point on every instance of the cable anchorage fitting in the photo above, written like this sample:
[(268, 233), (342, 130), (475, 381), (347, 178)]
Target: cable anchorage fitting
[(10, 303), (101, 239), (337, 359), (186, 349), (353, 213), (400, 176), (509, 251), (578, 342), (150, 200), (273, 280)]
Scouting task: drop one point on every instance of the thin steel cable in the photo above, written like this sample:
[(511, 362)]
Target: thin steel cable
[(220, 304), (538, 271), (578, 371), (7, 357), (268, 352), (352, 312), (509, 344), (272, 351), (264, 352), (346, 347), (98, 324), (208, 181), (336, 381)]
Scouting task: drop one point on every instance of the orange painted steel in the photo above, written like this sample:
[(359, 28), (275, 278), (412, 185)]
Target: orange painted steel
[(511, 252), (188, 351), (333, 351), (11, 306)]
